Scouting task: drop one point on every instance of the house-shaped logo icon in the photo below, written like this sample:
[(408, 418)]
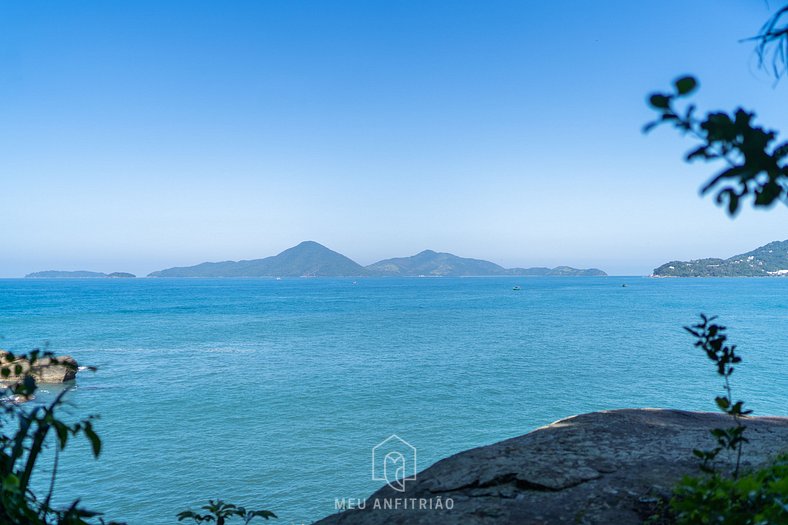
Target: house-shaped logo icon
[(394, 461)]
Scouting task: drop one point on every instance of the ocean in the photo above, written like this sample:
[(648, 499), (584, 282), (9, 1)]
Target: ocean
[(273, 393)]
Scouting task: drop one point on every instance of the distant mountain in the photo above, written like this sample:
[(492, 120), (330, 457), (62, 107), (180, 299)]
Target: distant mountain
[(768, 260), (315, 260), (433, 263), (308, 259), (56, 274), (558, 271)]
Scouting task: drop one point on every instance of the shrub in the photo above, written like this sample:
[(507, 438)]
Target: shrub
[(218, 512), (758, 498), (25, 431)]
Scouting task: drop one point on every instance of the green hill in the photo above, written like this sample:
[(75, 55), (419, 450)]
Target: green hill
[(433, 263), (57, 274), (766, 261), (315, 260), (558, 271), (308, 259)]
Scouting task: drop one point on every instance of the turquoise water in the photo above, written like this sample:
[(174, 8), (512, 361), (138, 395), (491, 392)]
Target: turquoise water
[(272, 393)]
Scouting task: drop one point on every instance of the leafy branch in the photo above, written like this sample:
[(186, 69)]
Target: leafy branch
[(711, 338), (772, 46), (754, 165), (218, 511), (20, 448)]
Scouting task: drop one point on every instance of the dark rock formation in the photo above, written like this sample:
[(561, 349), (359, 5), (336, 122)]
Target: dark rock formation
[(44, 370), (599, 468)]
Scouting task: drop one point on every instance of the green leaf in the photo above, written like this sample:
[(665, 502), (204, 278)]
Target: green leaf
[(186, 514), (95, 441), (686, 85), (722, 402), (659, 101), (10, 483), (62, 433), (265, 514)]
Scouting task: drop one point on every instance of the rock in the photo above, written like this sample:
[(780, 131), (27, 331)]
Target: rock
[(45, 370), (598, 468)]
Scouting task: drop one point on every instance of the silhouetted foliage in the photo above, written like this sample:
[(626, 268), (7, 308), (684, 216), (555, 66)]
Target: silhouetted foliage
[(756, 498), (772, 43), (710, 337), (24, 433), (218, 512), (755, 165), (27, 429)]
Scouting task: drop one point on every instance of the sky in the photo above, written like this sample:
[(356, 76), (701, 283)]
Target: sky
[(136, 136)]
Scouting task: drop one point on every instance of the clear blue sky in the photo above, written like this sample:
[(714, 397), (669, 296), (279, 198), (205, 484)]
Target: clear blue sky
[(141, 135)]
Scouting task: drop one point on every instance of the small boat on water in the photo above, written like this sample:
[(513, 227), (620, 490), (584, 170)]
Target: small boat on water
[(516, 288)]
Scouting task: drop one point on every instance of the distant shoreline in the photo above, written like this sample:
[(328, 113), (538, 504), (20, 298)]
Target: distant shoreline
[(323, 277)]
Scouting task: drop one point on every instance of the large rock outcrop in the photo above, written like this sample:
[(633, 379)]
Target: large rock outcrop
[(600, 468), (45, 370)]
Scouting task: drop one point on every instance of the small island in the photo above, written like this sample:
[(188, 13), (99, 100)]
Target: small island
[(80, 274)]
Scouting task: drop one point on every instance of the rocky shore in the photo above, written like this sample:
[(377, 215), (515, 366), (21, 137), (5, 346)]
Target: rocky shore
[(608, 467), (45, 370)]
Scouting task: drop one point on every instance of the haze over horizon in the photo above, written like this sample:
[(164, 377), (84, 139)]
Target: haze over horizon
[(137, 137), (322, 247)]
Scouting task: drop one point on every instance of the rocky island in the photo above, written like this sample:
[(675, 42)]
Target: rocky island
[(44, 370)]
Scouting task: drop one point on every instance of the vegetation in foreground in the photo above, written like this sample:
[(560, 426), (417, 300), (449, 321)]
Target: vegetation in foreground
[(757, 498), (217, 511), (24, 434), (717, 496), (26, 430), (755, 168)]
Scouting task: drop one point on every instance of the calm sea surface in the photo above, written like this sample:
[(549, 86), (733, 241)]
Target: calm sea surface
[(273, 393)]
